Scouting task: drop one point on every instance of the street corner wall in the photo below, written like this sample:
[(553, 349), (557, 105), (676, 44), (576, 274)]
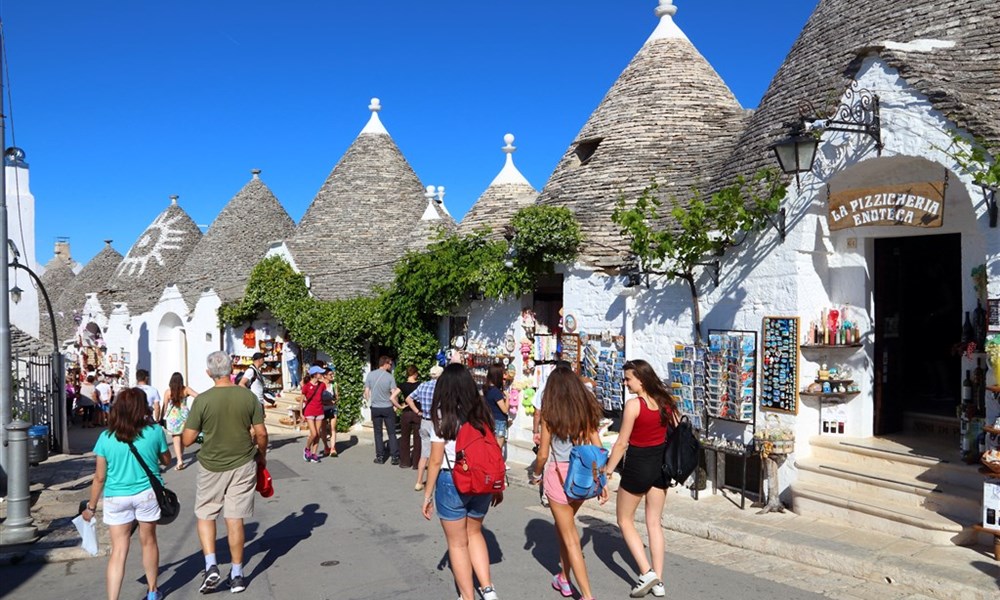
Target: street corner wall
[(594, 299), (490, 320), (204, 338)]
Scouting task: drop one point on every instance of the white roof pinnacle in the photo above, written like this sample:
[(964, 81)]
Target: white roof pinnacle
[(374, 124), (440, 200), (667, 29), (430, 213), (173, 200), (255, 173), (509, 174)]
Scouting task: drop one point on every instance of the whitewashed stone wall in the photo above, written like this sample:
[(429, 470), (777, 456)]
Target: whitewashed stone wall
[(21, 229)]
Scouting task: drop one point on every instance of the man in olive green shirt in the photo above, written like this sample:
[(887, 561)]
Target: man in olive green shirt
[(232, 421)]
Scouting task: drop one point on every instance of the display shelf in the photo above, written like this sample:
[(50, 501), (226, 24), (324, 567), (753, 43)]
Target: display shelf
[(835, 381), (829, 346), (829, 394)]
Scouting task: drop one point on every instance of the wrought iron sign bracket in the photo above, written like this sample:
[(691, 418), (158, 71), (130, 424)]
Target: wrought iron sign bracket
[(990, 198), (858, 113), (778, 224)]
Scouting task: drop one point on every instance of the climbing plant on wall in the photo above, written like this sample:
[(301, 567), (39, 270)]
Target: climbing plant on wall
[(427, 286), (698, 229)]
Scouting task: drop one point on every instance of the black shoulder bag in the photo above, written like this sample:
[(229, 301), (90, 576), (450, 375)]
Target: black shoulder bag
[(680, 456), (170, 506)]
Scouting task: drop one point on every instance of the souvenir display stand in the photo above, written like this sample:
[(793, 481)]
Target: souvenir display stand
[(270, 372), (730, 380)]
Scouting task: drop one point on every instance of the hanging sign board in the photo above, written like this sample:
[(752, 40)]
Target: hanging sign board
[(906, 205)]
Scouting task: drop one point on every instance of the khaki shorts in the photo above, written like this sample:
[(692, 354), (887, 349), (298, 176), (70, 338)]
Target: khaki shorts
[(228, 492)]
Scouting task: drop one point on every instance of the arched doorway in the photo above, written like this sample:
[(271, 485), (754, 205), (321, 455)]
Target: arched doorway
[(170, 351)]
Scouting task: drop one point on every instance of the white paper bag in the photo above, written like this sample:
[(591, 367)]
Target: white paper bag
[(88, 533)]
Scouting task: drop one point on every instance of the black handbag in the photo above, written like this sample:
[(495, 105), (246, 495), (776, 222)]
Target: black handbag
[(170, 506), (680, 456)]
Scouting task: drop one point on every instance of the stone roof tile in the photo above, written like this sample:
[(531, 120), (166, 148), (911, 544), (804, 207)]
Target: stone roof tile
[(236, 241)]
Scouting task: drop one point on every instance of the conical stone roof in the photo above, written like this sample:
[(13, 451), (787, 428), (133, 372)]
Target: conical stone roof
[(94, 277), (57, 278), (155, 259), (363, 218), (948, 49), (509, 192), (435, 220), (236, 241), (667, 117)]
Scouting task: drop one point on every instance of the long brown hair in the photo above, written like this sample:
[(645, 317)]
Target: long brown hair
[(457, 401), (177, 389), (568, 409), (129, 415), (653, 386)]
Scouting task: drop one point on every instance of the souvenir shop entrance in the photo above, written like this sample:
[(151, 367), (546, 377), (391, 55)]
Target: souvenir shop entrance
[(918, 321)]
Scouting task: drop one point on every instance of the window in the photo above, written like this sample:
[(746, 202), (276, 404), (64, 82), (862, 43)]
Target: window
[(585, 150)]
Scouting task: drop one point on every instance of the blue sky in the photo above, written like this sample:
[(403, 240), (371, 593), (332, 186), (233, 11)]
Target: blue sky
[(119, 104)]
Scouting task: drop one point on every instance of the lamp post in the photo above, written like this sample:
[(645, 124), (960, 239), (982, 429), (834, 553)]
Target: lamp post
[(6, 390)]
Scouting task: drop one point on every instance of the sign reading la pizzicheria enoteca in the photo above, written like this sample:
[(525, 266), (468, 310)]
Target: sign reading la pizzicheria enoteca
[(901, 205)]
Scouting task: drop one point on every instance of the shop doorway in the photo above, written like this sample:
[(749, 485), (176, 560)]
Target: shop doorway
[(918, 319)]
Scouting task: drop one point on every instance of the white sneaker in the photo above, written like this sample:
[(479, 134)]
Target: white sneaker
[(489, 593), (658, 590), (645, 582)]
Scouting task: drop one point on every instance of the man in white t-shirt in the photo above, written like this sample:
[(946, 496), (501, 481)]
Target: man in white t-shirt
[(252, 379), (152, 396), (104, 393)]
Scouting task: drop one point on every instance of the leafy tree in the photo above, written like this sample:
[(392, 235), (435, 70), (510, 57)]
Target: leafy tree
[(701, 228)]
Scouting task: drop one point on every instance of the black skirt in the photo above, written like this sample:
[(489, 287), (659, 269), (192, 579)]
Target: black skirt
[(643, 469)]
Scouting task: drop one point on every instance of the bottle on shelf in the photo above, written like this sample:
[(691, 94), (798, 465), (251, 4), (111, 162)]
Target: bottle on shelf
[(979, 326), (967, 331), (979, 388)]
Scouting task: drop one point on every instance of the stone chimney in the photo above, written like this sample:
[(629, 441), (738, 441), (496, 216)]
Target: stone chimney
[(62, 249)]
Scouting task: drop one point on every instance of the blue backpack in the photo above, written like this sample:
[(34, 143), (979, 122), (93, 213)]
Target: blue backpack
[(585, 477)]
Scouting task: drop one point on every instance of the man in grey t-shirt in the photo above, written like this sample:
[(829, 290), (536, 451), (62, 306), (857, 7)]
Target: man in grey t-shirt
[(381, 392)]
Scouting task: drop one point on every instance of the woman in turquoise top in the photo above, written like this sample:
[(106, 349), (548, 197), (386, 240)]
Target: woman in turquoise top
[(128, 494)]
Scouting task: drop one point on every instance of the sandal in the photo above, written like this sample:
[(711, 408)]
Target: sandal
[(179, 467)]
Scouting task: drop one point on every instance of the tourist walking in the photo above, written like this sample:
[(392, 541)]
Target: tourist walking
[(152, 395), (457, 402), (104, 398), (497, 401), (126, 488), (570, 417), (87, 402), (292, 362), (381, 392), (312, 411), (420, 401), (227, 465), (177, 399), (409, 423), (331, 402), (641, 440), (252, 379)]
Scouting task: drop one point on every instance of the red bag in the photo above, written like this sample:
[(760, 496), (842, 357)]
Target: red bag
[(479, 466), (264, 484)]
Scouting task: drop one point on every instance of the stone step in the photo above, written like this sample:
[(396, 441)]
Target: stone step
[(274, 417), (880, 515), (857, 482), (896, 462)]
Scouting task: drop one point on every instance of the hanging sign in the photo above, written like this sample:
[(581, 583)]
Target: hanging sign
[(906, 205)]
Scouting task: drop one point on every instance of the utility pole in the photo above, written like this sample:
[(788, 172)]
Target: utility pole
[(6, 390)]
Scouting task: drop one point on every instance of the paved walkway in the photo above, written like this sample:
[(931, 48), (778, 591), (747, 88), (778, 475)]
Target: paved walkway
[(829, 557)]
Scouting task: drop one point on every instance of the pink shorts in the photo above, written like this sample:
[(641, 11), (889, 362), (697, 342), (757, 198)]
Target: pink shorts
[(314, 417), (553, 483)]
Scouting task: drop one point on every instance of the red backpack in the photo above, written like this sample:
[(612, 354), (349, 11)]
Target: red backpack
[(479, 466)]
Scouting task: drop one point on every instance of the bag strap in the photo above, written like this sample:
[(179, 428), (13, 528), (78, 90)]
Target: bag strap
[(312, 396), (153, 481)]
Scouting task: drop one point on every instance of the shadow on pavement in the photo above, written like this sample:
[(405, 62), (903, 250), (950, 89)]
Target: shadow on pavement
[(607, 542), (540, 539), (189, 568), (281, 537)]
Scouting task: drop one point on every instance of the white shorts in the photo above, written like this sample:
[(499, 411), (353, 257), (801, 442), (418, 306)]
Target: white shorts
[(122, 510), (426, 426)]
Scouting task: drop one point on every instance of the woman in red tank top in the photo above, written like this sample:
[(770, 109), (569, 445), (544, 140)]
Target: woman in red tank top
[(641, 440)]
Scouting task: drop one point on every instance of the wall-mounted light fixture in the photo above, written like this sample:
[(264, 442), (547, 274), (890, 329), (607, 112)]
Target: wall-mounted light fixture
[(858, 113), (15, 294)]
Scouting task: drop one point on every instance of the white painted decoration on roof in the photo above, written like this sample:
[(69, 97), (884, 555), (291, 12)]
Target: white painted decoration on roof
[(667, 29), (440, 200), (922, 45), (159, 237), (374, 123), (509, 173)]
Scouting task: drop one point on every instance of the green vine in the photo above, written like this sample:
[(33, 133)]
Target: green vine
[(976, 158), (404, 316), (701, 228)]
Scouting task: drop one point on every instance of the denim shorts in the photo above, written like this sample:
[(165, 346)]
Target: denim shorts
[(500, 428), (452, 506)]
